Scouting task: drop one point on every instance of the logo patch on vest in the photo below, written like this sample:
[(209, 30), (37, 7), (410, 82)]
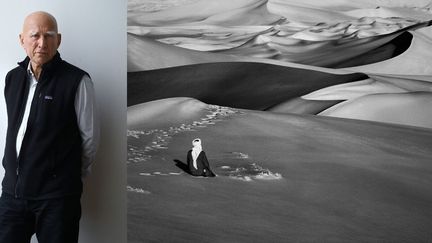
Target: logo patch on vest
[(48, 97)]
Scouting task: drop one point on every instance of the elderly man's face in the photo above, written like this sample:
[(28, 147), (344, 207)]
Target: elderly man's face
[(39, 38)]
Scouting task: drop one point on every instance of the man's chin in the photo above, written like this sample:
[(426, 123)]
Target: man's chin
[(40, 60)]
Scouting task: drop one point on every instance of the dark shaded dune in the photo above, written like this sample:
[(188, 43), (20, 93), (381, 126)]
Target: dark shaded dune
[(389, 50), (242, 85)]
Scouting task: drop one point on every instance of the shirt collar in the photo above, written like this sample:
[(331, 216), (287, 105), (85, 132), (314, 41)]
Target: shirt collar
[(31, 74), (25, 64)]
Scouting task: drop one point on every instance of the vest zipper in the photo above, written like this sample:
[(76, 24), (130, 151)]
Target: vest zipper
[(22, 110), (18, 157), (29, 124), (17, 178)]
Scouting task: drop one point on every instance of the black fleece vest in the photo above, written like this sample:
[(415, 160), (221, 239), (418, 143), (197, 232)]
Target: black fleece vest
[(49, 162)]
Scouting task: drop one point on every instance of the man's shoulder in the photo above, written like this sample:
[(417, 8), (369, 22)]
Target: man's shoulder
[(72, 68), (17, 72), (20, 69)]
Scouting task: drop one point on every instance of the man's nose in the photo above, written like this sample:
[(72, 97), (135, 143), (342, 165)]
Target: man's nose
[(42, 41)]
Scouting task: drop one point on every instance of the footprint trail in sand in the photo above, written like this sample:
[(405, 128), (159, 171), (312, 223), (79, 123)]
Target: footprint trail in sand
[(160, 138), (238, 165)]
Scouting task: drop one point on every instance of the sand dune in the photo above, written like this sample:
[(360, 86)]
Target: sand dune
[(419, 13), (414, 108), (202, 38), (195, 66), (239, 12), (340, 180), (190, 115), (354, 90), (325, 46), (187, 107), (414, 61), (334, 42), (239, 85), (345, 5), (289, 90), (146, 54), (338, 11), (322, 45), (385, 99), (332, 35)]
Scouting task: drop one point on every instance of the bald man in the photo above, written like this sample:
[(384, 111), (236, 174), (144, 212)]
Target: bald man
[(51, 139)]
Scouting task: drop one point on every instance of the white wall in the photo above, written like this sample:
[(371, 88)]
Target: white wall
[(93, 38)]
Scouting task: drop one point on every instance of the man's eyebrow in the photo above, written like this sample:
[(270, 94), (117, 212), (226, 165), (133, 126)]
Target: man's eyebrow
[(50, 33)]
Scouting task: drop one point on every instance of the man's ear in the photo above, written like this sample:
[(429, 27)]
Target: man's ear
[(58, 39), (21, 39)]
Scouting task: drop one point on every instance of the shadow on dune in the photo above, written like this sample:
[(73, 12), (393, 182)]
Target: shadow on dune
[(183, 166), (245, 85)]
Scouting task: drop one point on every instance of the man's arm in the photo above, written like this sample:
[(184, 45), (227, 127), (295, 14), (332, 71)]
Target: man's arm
[(88, 123)]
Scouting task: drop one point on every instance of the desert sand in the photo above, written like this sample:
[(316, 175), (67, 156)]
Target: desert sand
[(315, 116), (281, 177), (388, 39)]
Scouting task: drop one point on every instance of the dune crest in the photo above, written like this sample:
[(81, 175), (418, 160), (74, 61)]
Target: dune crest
[(354, 90), (414, 108), (183, 106)]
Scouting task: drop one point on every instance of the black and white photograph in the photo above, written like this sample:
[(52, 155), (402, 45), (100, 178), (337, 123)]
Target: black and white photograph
[(279, 121)]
